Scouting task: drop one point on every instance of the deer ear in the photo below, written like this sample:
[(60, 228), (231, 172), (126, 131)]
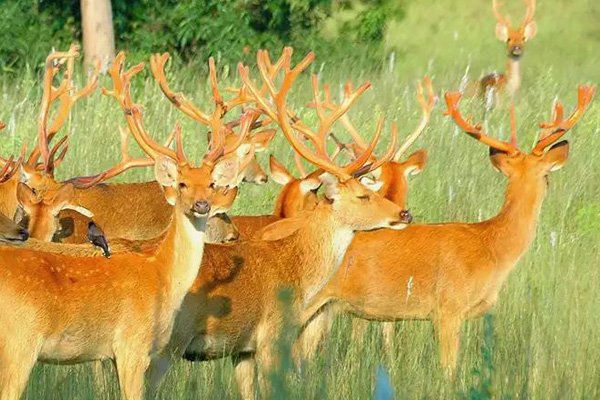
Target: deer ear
[(501, 32), (530, 30), (278, 172), (25, 194), (415, 163), (371, 184), (330, 183), (262, 139), (165, 171), (557, 156), (308, 184)]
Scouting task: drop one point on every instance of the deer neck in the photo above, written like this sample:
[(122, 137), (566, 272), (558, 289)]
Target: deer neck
[(181, 253), (323, 242), (513, 229), (513, 76)]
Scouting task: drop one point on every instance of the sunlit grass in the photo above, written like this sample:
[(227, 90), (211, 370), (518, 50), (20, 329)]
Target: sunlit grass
[(545, 332)]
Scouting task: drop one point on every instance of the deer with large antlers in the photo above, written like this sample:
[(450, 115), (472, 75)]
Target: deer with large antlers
[(494, 85), (110, 205), (232, 308), (65, 307), (454, 271)]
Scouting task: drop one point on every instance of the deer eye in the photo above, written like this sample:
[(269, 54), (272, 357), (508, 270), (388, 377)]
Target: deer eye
[(212, 185), (182, 185), (364, 197)]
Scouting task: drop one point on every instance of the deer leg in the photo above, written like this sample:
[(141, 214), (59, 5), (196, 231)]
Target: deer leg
[(157, 370), (359, 329), (245, 375), (99, 371), (388, 336), (131, 367), (15, 368), (448, 331), (312, 335)]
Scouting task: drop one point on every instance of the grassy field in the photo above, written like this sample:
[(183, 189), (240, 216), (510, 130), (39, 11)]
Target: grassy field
[(544, 341)]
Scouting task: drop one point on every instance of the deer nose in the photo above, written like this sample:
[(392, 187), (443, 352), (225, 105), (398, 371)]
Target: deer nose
[(406, 217), (24, 234), (516, 51), (232, 237), (201, 207)]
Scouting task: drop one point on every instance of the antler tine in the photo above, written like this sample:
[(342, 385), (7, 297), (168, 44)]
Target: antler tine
[(51, 163), (561, 126), (50, 94), (10, 166), (475, 131), (529, 13), (7, 170), (499, 17), (359, 162), (2, 125), (157, 66), (127, 162), (299, 166), (133, 113), (427, 105), (386, 157)]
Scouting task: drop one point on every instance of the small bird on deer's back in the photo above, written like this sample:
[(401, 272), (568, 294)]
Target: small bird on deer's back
[(97, 238)]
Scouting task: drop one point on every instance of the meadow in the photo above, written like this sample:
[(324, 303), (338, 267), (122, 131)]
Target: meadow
[(542, 337)]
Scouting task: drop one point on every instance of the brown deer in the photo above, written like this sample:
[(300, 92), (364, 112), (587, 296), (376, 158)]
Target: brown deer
[(494, 85), (232, 308), (453, 271), (110, 204), (10, 232), (60, 307)]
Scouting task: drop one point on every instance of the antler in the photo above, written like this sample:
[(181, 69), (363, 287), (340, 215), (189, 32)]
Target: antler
[(530, 4), (499, 17), (559, 125), (127, 162), (214, 120), (66, 98), (319, 157), (426, 104), (475, 131), (133, 113)]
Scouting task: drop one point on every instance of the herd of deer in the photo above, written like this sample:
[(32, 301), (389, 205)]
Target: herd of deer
[(182, 279)]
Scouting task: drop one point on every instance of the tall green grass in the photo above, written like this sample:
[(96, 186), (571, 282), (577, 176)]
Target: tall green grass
[(543, 343)]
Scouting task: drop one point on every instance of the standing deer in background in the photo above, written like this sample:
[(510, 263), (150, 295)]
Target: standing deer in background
[(453, 271), (494, 85), (62, 307), (233, 308)]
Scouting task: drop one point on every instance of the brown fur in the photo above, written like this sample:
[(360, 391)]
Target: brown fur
[(390, 275), (238, 312), (70, 305)]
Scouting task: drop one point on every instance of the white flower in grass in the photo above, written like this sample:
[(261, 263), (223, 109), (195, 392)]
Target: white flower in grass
[(553, 238)]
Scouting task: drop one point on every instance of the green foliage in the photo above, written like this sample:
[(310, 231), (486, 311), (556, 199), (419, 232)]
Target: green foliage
[(196, 29)]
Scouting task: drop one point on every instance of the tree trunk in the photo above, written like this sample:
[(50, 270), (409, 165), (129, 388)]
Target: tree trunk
[(98, 32)]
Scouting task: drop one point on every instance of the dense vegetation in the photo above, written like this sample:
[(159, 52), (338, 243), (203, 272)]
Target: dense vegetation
[(195, 29), (542, 341)]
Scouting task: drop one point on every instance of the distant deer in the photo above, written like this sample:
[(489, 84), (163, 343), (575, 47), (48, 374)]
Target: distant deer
[(494, 85), (450, 272)]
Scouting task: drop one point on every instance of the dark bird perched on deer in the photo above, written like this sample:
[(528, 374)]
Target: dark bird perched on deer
[(97, 238)]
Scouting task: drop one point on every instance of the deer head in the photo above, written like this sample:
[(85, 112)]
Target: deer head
[(350, 202), (548, 154), (515, 38)]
